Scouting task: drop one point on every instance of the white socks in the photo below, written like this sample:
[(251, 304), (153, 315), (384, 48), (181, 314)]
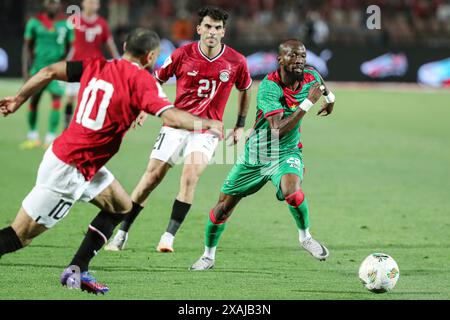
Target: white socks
[(304, 234), (49, 138), (167, 238), (210, 252), (33, 135), (122, 234)]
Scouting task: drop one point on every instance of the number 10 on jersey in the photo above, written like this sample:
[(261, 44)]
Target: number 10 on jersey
[(88, 101)]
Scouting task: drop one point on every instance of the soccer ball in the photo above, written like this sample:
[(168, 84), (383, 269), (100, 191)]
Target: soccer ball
[(379, 273)]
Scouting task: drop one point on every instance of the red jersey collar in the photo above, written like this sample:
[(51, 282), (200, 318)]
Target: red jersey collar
[(206, 57)]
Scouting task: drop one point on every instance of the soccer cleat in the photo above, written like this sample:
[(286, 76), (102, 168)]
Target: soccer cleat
[(165, 243), (119, 241), (204, 263), (316, 249), (29, 144), (84, 281)]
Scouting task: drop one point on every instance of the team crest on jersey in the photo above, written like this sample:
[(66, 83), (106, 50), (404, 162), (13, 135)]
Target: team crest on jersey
[(224, 75), (293, 107)]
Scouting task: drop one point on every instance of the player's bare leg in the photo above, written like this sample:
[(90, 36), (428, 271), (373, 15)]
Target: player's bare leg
[(298, 206), (153, 175), (214, 229), (114, 203), (195, 164), (20, 234)]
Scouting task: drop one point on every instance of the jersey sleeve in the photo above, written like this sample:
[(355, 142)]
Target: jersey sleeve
[(30, 29), (170, 66), (269, 98), (149, 96), (244, 80), (315, 73)]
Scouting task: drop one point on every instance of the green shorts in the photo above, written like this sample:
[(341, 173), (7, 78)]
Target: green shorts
[(55, 87), (245, 179)]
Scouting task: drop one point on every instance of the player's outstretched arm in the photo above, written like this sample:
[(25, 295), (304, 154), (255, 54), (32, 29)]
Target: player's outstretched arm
[(177, 118), (35, 84), (276, 122)]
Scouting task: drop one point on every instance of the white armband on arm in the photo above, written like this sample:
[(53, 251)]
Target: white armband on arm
[(306, 105), (330, 98)]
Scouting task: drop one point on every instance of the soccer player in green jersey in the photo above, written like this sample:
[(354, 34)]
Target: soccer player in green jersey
[(47, 40), (273, 150)]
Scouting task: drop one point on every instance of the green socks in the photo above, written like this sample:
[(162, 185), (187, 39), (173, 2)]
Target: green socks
[(213, 233), (301, 215)]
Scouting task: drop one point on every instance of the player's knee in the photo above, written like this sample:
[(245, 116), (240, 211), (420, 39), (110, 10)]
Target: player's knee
[(190, 181), (296, 198), (154, 176), (218, 216)]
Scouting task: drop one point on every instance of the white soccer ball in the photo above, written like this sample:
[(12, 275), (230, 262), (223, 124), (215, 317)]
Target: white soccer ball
[(379, 273)]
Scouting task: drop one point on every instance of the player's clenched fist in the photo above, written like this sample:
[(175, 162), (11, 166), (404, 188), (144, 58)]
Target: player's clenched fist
[(315, 92), (9, 105)]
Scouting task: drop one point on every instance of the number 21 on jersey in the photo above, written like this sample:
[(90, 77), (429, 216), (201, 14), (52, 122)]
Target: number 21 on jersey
[(88, 101), (204, 86)]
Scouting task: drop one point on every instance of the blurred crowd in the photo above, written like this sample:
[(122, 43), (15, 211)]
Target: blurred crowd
[(264, 22)]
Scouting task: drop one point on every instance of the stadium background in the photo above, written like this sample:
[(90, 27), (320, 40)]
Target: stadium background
[(413, 33), (377, 176)]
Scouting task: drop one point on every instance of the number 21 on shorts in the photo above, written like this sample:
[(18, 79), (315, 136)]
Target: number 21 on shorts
[(87, 104)]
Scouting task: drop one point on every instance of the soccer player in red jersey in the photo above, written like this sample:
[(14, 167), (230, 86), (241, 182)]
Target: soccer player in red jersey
[(206, 71), (91, 34), (113, 93)]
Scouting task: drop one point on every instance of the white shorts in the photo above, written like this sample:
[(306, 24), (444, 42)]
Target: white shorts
[(173, 145), (58, 187), (72, 89)]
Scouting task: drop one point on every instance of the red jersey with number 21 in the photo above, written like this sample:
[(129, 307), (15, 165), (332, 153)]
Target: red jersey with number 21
[(203, 84), (112, 94)]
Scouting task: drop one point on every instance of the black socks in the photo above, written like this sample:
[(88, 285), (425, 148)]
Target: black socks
[(179, 213), (100, 230), (130, 217), (9, 241)]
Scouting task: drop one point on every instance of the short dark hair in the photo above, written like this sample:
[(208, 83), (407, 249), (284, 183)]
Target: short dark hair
[(141, 41), (214, 13)]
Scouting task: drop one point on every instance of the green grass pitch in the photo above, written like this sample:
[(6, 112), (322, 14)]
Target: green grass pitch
[(378, 180)]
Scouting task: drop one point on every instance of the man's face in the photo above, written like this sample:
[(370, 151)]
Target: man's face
[(91, 6), (52, 7), (293, 58), (211, 32)]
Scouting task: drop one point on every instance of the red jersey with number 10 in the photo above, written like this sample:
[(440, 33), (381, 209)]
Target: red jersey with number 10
[(112, 94), (203, 84)]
